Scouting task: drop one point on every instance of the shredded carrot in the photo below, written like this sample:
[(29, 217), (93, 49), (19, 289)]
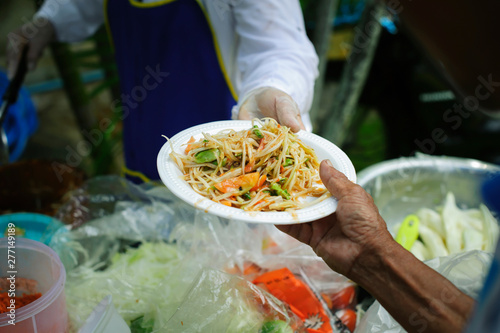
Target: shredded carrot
[(189, 147), (262, 143), (226, 203), (250, 166), (25, 299)]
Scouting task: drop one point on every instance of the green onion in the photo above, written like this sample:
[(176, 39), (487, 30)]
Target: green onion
[(279, 191), (257, 132)]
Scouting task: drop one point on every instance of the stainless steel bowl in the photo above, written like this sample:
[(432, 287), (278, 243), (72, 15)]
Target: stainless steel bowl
[(402, 186)]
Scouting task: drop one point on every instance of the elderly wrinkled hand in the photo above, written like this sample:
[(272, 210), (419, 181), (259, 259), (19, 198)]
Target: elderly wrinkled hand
[(355, 229), (274, 103), (354, 241)]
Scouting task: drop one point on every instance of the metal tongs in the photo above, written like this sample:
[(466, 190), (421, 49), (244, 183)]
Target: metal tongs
[(9, 98)]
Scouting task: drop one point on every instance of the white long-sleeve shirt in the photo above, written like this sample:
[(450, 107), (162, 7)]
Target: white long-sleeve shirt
[(262, 43)]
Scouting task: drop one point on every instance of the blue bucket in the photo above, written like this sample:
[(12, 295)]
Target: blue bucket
[(20, 122)]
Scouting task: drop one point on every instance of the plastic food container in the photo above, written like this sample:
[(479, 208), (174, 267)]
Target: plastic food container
[(38, 263), (105, 319), (35, 226)]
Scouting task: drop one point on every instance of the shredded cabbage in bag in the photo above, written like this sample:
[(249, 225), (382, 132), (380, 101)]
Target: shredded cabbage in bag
[(155, 291), (133, 279)]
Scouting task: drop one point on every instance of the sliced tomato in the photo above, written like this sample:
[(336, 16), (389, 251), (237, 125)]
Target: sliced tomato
[(327, 300), (348, 318), (240, 184), (343, 298), (261, 182)]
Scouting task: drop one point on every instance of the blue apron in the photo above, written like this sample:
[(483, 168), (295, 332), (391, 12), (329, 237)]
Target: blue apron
[(171, 75)]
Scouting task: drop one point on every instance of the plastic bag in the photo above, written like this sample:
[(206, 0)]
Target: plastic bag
[(219, 302), (250, 250), (105, 215), (150, 288), (465, 270), (154, 291)]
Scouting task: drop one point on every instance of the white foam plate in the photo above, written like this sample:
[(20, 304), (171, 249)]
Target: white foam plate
[(171, 176)]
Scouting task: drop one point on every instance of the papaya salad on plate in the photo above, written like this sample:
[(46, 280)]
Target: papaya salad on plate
[(254, 171)]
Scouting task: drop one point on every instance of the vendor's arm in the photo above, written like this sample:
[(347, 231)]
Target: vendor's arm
[(355, 242), (274, 51), (65, 21)]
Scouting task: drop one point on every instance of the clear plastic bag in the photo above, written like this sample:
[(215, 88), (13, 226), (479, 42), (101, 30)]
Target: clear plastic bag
[(162, 260), (465, 270), (219, 303), (107, 214)]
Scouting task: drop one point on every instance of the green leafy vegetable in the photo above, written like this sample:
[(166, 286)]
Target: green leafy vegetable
[(276, 326), (134, 276), (139, 326)]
